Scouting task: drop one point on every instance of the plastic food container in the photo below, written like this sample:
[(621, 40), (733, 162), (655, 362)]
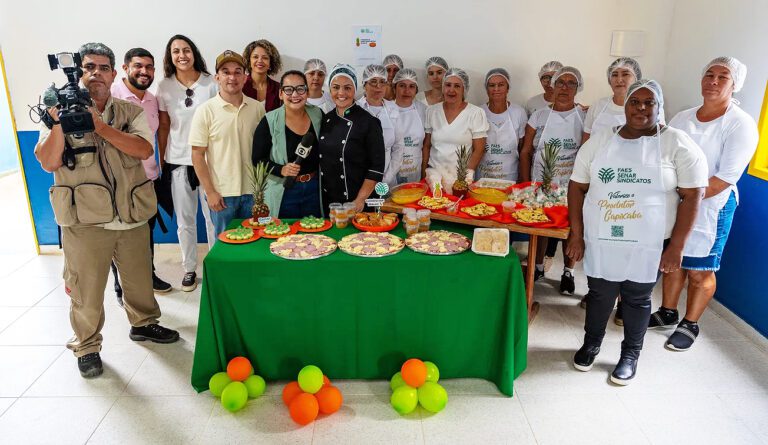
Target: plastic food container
[(408, 192), (478, 249), (488, 195)]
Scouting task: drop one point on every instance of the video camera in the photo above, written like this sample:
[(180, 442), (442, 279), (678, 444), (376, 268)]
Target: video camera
[(71, 99)]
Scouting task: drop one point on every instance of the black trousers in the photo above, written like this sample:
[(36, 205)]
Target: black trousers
[(636, 307)]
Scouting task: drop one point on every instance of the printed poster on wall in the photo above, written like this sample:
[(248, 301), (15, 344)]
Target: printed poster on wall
[(366, 39)]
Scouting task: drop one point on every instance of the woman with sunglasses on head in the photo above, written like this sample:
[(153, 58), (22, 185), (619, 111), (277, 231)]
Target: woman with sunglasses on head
[(263, 60), (275, 141), (186, 85)]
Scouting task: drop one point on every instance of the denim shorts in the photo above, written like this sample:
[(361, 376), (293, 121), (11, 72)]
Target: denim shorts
[(712, 261)]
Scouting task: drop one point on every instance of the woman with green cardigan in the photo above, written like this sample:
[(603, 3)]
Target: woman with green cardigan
[(275, 141)]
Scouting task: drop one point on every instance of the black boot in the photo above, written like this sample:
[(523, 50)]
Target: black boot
[(585, 357), (625, 370)]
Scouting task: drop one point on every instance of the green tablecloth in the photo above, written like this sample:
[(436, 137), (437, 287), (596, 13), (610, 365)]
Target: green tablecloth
[(361, 318)]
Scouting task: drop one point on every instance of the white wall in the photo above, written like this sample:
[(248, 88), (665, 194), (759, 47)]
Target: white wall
[(516, 34), (705, 29)]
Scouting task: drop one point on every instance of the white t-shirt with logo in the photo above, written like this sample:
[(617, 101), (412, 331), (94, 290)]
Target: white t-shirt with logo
[(682, 165), (171, 95)]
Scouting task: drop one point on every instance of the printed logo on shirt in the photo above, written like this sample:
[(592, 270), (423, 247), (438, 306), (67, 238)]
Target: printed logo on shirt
[(606, 175)]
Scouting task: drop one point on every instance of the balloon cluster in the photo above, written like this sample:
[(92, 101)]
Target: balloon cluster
[(310, 395), (236, 385), (416, 383)]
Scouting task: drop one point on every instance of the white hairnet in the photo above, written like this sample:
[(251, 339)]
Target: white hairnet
[(628, 63), (393, 59), (650, 85), (550, 67), (568, 70), (738, 70), (342, 69), (315, 65), (461, 74), (497, 72), (374, 71), (405, 74), (436, 61)]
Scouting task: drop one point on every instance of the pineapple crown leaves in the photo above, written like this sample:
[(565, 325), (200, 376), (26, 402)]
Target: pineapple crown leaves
[(259, 174), (463, 154)]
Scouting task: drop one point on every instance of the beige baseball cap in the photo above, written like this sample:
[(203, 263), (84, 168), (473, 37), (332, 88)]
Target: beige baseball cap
[(229, 56)]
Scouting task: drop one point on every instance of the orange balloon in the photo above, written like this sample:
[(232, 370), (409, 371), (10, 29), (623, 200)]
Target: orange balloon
[(414, 372), (290, 391), (330, 399), (239, 368), (326, 381), (304, 408)]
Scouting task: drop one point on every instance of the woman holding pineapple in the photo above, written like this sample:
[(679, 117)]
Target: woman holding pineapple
[(632, 201), (351, 145), (552, 138), (275, 142), (455, 137)]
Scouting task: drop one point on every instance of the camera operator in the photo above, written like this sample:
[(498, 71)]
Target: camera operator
[(139, 67), (102, 204)]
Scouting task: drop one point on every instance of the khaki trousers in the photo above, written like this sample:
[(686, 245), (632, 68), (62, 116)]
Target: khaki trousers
[(88, 252)]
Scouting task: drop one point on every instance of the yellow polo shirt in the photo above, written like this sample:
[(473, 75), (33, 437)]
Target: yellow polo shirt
[(227, 133)]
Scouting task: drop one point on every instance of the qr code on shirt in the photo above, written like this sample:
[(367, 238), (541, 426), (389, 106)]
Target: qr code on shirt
[(617, 231)]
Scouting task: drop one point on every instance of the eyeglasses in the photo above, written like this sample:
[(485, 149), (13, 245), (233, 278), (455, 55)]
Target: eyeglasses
[(289, 90), (377, 83), (546, 78), (571, 85), (188, 100)]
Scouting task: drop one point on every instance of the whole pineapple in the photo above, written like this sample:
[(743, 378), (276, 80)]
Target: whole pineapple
[(549, 164), (259, 180), (460, 186)]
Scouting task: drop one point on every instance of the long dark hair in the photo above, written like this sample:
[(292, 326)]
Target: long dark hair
[(198, 64)]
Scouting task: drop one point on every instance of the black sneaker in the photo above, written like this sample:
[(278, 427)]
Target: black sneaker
[(683, 337), (538, 274), (585, 357), (119, 293), (189, 282), (567, 285), (154, 333), (625, 371), (618, 318), (663, 318), (90, 365), (160, 286)]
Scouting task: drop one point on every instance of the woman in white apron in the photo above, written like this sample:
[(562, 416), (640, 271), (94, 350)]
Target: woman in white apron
[(449, 125), (561, 123), (543, 100), (506, 127), (608, 112), (728, 137), (411, 122), (375, 85), (436, 68), (633, 198), (315, 71)]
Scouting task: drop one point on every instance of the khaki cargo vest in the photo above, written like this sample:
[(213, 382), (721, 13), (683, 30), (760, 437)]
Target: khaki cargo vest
[(105, 183)]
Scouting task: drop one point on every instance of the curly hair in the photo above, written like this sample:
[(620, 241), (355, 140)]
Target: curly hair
[(275, 63)]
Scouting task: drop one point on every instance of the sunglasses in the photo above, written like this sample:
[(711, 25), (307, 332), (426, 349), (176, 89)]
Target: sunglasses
[(188, 100)]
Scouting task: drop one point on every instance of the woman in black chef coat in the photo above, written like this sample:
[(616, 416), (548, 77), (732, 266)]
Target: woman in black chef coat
[(351, 144)]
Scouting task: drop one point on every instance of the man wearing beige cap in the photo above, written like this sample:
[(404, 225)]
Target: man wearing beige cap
[(221, 137)]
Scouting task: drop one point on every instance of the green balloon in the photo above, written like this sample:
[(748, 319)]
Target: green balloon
[(433, 374), (218, 382), (255, 386), (396, 381), (432, 397), (310, 379), (234, 397), (404, 399)]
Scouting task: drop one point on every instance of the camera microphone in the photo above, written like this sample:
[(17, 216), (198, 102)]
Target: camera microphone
[(50, 97), (302, 152)]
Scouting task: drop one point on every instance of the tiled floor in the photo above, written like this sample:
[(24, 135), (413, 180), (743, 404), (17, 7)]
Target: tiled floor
[(716, 393)]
